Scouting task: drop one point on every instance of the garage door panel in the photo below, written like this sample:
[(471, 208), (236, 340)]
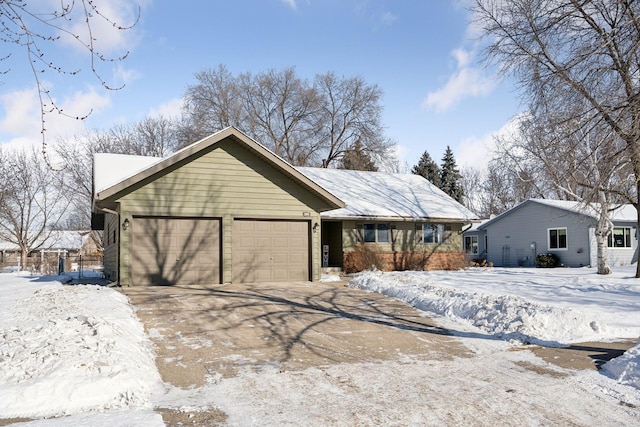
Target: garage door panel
[(175, 251), (279, 250)]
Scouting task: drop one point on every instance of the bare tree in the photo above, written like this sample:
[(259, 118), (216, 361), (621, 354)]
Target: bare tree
[(31, 204), (305, 123), (32, 29), (582, 54), (349, 111)]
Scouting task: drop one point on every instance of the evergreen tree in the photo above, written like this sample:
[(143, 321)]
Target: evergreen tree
[(428, 169), (356, 158), (450, 177)]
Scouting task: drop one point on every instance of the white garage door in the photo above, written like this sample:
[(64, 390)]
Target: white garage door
[(270, 251), (175, 251)]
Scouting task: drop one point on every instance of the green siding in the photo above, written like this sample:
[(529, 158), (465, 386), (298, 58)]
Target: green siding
[(110, 253), (404, 237), (226, 182)]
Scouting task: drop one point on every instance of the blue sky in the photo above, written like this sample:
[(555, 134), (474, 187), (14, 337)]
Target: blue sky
[(421, 53)]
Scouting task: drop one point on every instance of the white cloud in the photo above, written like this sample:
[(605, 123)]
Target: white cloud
[(169, 109), (291, 3), (478, 151), (388, 18), (21, 121), (466, 81), (108, 39)]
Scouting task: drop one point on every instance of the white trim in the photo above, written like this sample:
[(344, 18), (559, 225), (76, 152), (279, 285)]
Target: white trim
[(566, 234)]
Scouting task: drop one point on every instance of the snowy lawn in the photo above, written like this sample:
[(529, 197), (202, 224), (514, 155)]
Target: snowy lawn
[(81, 350), (69, 349)]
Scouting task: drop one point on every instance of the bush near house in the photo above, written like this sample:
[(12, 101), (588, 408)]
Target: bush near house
[(365, 257), (547, 260)]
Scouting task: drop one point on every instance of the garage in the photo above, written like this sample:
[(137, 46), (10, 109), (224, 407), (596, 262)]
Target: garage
[(175, 251), (270, 251)]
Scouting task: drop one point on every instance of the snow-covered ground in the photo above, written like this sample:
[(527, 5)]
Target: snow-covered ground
[(80, 351)]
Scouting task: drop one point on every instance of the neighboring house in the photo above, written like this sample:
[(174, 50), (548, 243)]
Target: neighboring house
[(59, 243), (474, 243), (226, 209), (564, 228), (409, 222)]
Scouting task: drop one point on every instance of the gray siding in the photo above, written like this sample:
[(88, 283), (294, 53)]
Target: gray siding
[(510, 239), (110, 254)]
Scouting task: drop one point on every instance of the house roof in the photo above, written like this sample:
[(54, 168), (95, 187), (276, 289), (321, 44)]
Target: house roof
[(621, 213), (114, 174), (386, 195)]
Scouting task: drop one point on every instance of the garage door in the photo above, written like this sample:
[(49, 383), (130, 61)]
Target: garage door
[(175, 251), (270, 251)]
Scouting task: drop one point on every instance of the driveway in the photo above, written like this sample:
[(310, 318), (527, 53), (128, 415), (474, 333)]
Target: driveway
[(222, 330)]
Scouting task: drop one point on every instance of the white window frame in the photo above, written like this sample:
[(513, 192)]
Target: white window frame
[(566, 239), (626, 236)]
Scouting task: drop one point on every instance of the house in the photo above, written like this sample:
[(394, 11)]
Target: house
[(409, 222), (564, 228), (224, 209), (68, 244), (227, 209)]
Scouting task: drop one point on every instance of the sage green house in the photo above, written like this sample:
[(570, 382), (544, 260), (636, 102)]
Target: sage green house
[(224, 209)]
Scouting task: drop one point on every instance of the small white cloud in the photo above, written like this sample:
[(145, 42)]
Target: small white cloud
[(291, 3), (478, 151), (170, 109), (388, 18), (466, 81)]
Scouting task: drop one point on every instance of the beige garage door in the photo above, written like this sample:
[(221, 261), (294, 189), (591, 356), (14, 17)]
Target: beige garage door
[(175, 251), (270, 251)]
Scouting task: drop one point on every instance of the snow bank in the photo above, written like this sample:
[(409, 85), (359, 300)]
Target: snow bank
[(68, 349), (505, 316), (484, 298), (626, 368)]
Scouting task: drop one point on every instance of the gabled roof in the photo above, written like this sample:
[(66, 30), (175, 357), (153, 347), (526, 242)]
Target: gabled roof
[(387, 195), (621, 213), (115, 174)]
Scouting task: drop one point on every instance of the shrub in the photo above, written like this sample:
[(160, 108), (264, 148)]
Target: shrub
[(363, 258), (547, 260)]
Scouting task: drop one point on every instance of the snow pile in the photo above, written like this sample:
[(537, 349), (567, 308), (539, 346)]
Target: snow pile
[(547, 307), (68, 349), (626, 368), (505, 316)]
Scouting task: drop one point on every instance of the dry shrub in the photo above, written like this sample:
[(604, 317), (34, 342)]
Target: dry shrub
[(362, 258)]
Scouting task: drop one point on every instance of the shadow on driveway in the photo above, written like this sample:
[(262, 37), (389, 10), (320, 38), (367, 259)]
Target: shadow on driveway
[(206, 332)]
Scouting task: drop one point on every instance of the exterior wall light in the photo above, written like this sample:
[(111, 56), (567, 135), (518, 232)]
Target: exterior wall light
[(316, 226), (125, 224)]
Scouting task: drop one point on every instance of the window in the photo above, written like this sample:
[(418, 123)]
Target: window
[(557, 238), (373, 233), (620, 238), (434, 233), (471, 244)]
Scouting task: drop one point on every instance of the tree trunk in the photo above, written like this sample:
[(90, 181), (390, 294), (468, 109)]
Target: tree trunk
[(638, 220), (23, 259), (603, 267)]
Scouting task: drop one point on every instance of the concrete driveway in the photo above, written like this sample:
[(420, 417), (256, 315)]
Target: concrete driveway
[(205, 332)]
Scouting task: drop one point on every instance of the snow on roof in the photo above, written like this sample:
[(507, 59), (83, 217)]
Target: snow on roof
[(58, 239), (622, 213), (110, 169), (386, 195)]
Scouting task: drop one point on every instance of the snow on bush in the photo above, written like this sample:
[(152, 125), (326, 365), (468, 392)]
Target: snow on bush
[(67, 349)]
